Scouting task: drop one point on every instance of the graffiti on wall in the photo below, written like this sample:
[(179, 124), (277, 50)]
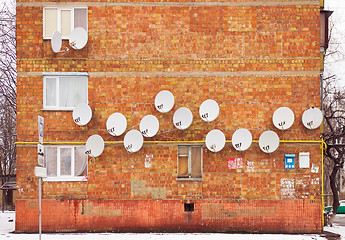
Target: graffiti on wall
[(148, 158), (287, 188), (234, 163), (121, 188), (250, 166)]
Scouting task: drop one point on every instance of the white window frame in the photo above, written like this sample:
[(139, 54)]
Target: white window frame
[(57, 77), (190, 163), (59, 9), (61, 178)]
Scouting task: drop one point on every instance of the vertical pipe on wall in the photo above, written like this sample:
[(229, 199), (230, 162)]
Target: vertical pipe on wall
[(323, 146)]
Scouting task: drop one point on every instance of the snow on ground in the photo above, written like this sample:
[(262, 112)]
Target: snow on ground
[(7, 226), (7, 220), (336, 229)]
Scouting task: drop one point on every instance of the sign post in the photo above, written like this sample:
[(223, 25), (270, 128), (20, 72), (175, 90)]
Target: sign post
[(40, 207), (40, 172)]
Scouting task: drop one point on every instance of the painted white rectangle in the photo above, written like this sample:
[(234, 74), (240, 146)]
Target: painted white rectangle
[(304, 160), (40, 172)]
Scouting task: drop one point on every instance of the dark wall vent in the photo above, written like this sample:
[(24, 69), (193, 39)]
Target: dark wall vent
[(189, 207)]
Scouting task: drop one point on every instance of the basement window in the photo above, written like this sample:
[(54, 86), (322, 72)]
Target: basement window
[(189, 162), (189, 207)]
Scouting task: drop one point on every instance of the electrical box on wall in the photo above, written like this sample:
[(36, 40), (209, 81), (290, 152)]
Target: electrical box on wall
[(304, 160), (289, 161)]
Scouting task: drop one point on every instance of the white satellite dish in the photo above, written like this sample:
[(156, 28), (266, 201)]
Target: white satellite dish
[(133, 141), (78, 38), (209, 110), (94, 146), (56, 41), (269, 141), (82, 114), (116, 124), (164, 101), (283, 118), (149, 126), (312, 118), (215, 140), (241, 139), (182, 118)]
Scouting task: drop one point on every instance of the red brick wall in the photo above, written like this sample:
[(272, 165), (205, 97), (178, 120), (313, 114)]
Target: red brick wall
[(169, 215), (250, 58)]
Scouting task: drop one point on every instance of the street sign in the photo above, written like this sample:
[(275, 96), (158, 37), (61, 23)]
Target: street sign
[(40, 155), (40, 129), (40, 172)]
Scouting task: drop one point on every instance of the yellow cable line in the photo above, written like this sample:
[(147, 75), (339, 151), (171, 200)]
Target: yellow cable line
[(199, 141)]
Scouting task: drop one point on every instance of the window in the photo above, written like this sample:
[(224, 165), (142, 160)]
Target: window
[(65, 163), (64, 92), (189, 162), (63, 20), (189, 207)]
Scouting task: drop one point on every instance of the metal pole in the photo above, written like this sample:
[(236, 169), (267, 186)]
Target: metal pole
[(40, 207)]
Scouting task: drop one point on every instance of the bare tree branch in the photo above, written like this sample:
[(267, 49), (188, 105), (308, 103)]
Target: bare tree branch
[(8, 88)]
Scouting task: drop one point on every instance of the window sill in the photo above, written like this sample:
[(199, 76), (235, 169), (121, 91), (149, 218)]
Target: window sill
[(189, 179), (65, 179)]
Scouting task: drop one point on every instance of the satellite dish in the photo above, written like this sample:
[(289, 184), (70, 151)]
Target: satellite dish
[(209, 110), (116, 124), (215, 140), (283, 118), (312, 118), (268, 141), (94, 146), (164, 101), (133, 141), (241, 139), (82, 114), (149, 126), (56, 41), (78, 38), (182, 118)]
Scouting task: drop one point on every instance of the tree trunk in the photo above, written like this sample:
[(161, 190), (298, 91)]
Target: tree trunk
[(332, 181)]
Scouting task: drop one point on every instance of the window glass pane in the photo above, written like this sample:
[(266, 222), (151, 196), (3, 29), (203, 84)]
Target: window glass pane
[(73, 90), (50, 21), (65, 23), (80, 159), (196, 162), (65, 161), (183, 150), (50, 92), (80, 18), (50, 158), (183, 167)]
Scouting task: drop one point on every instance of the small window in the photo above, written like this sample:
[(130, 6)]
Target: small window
[(189, 162), (189, 207), (64, 92), (63, 20), (65, 163)]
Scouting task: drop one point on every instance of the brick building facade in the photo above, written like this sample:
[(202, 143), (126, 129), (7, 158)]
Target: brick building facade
[(251, 57)]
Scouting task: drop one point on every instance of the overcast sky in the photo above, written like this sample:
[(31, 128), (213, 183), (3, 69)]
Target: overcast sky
[(337, 64)]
